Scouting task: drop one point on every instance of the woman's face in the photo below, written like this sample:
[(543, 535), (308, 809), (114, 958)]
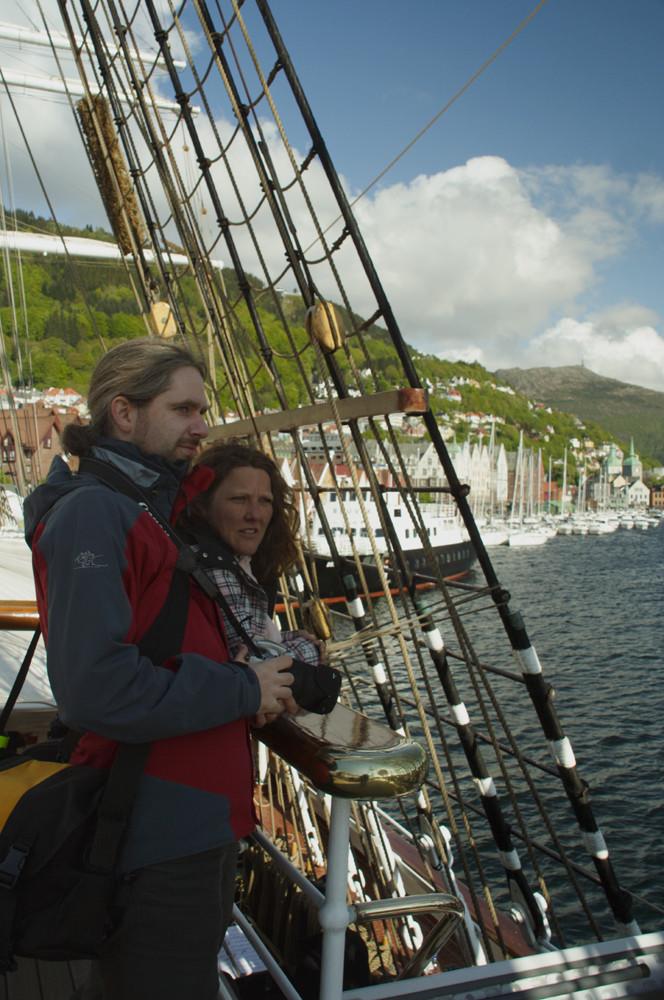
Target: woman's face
[(241, 509)]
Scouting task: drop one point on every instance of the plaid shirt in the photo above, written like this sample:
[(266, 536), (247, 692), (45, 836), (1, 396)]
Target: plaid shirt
[(249, 603)]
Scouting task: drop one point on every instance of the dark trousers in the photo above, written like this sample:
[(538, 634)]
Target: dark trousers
[(171, 921)]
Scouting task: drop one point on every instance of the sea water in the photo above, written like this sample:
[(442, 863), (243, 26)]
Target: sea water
[(593, 607)]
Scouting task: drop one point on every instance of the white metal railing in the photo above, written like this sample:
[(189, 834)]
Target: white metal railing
[(349, 757)]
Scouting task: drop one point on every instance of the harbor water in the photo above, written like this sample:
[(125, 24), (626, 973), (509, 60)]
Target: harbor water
[(593, 607)]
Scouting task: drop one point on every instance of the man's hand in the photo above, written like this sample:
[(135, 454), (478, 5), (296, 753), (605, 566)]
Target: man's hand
[(275, 684)]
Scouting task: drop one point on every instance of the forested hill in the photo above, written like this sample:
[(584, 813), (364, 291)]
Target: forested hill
[(622, 409), (74, 315)]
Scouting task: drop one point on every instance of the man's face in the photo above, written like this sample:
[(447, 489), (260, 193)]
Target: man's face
[(172, 424)]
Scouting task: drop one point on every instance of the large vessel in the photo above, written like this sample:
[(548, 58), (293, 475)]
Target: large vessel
[(349, 523), (446, 762)]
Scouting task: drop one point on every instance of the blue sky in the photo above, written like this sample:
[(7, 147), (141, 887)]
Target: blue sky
[(526, 226), (581, 86), (583, 81)]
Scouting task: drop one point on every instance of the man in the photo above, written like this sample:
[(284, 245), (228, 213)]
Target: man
[(103, 569)]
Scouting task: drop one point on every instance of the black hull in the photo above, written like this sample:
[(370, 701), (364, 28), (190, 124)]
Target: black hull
[(454, 560)]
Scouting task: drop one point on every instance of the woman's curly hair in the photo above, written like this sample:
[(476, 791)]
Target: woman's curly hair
[(279, 549)]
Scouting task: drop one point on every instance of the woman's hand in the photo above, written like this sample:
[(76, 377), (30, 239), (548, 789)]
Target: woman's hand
[(318, 643)]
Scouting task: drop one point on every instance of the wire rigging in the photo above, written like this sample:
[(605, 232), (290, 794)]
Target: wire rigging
[(433, 121)]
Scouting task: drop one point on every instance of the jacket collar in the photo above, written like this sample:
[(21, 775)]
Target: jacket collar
[(146, 471), (212, 552), (170, 485)]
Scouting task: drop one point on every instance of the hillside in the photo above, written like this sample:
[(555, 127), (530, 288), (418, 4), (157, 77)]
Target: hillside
[(624, 410), (77, 314)]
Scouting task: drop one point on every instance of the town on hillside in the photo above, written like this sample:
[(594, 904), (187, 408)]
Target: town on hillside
[(502, 482)]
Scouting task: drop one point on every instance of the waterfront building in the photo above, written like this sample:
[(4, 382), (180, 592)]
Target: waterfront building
[(657, 497), (632, 467), (31, 437), (619, 483), (638, 494), (613, 462)]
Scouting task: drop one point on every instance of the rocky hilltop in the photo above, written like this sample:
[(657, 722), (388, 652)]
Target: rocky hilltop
[(626, 411)]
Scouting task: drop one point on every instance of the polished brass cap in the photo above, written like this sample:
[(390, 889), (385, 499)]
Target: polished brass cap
[(347, 754)]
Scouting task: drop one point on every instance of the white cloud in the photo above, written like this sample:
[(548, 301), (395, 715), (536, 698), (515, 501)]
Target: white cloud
[(621, 344), (481, 262), (648, 198), (466, 255), (568, 190), (476, 261)]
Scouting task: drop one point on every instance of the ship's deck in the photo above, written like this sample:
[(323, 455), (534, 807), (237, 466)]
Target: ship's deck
[(35, 980), (629, 967)]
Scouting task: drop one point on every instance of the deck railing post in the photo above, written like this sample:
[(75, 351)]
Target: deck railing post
[(335, 914)]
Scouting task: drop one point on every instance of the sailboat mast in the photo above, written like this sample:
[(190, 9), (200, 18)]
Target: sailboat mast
[(19, 457)]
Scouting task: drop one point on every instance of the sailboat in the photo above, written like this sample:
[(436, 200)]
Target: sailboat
[(523, 527), (407, 846)]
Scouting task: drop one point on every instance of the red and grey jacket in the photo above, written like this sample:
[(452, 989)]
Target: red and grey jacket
[(103, 567)]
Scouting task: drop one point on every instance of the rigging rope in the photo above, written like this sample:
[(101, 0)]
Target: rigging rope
[(255, 330)]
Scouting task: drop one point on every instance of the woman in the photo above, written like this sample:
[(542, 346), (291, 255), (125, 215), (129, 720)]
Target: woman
[(245, 528)]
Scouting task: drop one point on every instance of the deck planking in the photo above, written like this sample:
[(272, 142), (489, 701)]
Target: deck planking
[(37, 980)]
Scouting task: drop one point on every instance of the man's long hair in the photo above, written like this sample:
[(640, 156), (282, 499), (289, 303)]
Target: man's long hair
[(139, 370), (279, 550)]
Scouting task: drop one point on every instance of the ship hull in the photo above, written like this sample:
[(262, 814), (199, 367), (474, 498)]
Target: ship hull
[(455, 560)]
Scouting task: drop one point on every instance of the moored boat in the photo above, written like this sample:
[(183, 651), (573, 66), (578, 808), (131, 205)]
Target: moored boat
[(524, 537), (361, 534)]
